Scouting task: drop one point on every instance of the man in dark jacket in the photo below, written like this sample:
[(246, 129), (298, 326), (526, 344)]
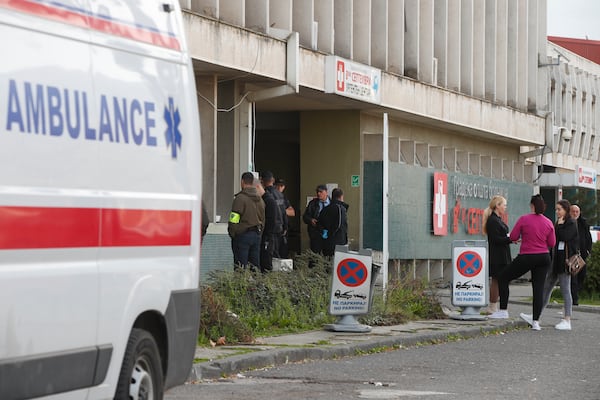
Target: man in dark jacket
[(585, 248), (290, 212), (246, 222), (333, 221), (311, 216), (273, 229)]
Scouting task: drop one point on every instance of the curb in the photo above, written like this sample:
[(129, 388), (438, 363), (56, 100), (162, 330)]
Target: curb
[(267, 358), (231, 365)]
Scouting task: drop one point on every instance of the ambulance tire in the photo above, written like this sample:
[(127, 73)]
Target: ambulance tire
[(141, 376)]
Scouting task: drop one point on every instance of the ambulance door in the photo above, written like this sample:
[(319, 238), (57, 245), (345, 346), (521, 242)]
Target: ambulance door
[(147, 251), (49, 210)]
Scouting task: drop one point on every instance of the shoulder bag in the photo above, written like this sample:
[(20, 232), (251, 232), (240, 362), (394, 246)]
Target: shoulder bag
[(575, 263)]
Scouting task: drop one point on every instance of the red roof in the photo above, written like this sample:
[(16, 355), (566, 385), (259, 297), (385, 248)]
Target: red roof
[(589, 49)]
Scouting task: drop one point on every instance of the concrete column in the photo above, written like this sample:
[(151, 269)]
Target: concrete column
[(257, 15), (440, 40), (568, 106), (411, 39), (324, 17), (594, 118), (227, 149), (361, 27), (343, 28), (304, 22), (379, 33), (466, 47), (479, 49), (501, 51), (511, 53), (206, 86), (490, 50), (233, 12), (206, 7), (453, 65), (280, 14), (542, 75), (185, 4), (426, 23), (396, 37), (523, 55)]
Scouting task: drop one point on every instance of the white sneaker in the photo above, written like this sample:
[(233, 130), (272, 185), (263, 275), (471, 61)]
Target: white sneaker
[(563, 325), (527, 318), (535, 325), (500, 314)]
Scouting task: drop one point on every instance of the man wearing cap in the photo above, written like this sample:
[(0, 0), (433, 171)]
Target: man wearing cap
[(311, 217), (246, 222)]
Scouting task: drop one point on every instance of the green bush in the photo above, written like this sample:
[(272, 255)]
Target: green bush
[(406, 299), (591, 283)]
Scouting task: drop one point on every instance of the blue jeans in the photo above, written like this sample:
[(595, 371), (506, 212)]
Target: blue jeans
[(246, 249)]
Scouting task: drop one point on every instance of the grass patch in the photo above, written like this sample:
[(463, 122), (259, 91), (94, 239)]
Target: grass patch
[(242, 305), (585, 298)]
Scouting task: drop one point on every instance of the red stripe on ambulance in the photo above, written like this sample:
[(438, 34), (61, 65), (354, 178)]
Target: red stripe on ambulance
[(84, 19), (56, 227)]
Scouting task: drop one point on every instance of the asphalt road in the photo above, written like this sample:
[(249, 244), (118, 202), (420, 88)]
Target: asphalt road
[(549, 364)]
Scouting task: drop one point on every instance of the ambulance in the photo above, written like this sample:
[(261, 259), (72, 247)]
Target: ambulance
[(100, 193)]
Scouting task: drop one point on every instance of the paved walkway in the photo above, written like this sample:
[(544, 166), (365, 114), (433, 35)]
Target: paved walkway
[(322, 344)]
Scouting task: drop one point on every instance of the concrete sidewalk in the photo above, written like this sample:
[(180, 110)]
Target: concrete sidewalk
[(321, 344)]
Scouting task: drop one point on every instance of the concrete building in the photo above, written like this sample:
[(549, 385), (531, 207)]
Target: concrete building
[(571, 159), (302, 88)]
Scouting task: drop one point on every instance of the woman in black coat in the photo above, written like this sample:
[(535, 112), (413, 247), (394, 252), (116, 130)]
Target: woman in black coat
[(567, 244), (498, 250)]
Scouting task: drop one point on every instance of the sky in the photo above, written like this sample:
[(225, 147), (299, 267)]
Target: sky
[(574, 18)]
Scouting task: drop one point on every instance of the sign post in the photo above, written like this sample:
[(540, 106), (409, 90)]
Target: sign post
[(470, 278), (351, 287)]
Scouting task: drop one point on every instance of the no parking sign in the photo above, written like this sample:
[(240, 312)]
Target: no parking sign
[(351, 283), (470, 277)]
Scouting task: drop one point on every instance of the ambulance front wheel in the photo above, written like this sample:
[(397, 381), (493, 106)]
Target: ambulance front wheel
[(141, 376)]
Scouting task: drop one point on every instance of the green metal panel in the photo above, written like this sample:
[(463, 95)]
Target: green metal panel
[(410, 209)]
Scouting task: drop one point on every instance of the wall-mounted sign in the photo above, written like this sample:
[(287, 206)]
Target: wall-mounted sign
[(440, 203), (585, 177), (351, 79)]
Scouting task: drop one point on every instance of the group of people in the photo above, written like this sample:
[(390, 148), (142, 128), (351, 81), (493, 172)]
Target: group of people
[(259, 221), (326, 220), (545, 246)]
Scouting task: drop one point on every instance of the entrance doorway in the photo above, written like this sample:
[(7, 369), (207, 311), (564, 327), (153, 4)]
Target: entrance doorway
[(277, 149)]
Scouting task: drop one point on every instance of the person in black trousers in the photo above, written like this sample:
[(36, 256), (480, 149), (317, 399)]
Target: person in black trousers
[(333, 222), (585, 249), (311, 216), (498, 249), (536, 233)]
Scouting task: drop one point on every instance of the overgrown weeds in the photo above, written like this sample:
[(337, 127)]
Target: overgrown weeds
[(241, 305)]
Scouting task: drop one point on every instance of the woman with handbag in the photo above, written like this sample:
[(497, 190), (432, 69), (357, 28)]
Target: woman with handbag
[(567, 244)]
